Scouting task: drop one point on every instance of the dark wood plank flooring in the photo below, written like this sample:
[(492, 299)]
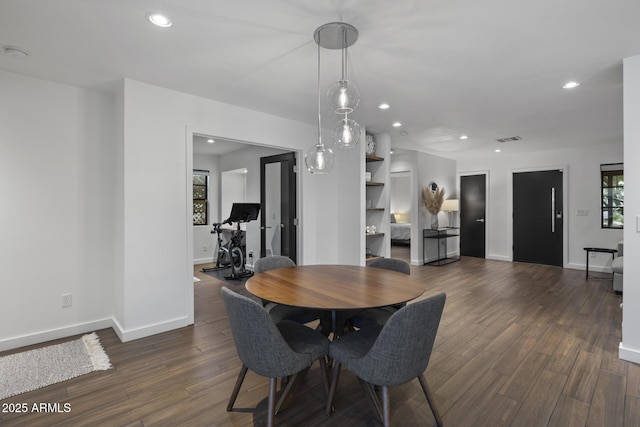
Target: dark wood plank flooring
[(519, 345)]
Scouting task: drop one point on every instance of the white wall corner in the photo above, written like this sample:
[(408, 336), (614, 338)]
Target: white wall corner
[(629, 354), (145, 331)]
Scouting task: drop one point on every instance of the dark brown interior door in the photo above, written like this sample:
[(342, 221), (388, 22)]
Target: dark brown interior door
[(537, 217), (473, 193), (278, 228)]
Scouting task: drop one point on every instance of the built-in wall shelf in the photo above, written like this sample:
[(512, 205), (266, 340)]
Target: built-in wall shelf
[(373, 158), (376, 207)]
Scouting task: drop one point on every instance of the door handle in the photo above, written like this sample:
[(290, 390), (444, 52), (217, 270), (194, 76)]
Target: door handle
[(553, 209), (480, 220), (264, 228)]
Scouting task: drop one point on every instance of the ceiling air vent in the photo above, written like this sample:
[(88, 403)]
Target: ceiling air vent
[(509, 139)]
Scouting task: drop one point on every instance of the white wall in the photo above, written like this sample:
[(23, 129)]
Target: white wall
[(583, 193), (400, 194), (53, 210), (630, 345)]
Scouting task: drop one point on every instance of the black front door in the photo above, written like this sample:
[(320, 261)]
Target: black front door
[(537, 217), (278, 206), (473, 192)]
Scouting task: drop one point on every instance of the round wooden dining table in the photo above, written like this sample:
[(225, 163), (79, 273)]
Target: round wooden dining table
[(334, 287)]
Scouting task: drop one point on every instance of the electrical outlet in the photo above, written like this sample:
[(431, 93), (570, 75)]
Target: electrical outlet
[(204, 248), (66, 300)]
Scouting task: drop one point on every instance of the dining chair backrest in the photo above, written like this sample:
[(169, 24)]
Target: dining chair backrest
[(391, 264), (260, 345), (402, 350), (272, 262)]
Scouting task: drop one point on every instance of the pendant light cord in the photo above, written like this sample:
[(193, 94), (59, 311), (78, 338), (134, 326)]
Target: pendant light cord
[(344, 53), (319, 116)]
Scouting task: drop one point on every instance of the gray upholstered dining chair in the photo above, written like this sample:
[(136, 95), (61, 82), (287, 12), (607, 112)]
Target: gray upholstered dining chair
[(280, 312), (379, 316), (390, 355), (270, 350)]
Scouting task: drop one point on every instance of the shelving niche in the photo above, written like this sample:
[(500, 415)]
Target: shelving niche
[(377, 204)]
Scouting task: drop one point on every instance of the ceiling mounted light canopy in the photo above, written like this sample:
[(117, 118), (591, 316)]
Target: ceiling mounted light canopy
[(343, 97)]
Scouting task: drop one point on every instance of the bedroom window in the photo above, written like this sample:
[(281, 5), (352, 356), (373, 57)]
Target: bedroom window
[(200, 191), (612, 193)]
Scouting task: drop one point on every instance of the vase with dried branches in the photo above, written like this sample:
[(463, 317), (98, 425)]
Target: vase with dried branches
[(433, 199)]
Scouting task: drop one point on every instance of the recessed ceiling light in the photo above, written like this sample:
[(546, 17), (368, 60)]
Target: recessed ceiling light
[(15, 52), (464, 137), (159, 20), (497, 150), (384, 106), (396, 124), (571, 85), (210, 141)]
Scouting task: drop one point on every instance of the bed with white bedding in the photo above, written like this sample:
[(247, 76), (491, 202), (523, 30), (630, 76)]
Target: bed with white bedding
[(400, 231)]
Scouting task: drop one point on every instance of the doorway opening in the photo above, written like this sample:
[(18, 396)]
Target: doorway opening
[(400, 204)]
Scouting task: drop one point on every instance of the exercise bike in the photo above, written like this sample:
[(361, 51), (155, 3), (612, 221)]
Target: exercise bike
[(227, 252), (233, 253)]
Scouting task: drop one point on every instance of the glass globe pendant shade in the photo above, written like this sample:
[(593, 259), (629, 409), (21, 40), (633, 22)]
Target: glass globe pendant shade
[(343, 97), (319, 159), (346, 133)]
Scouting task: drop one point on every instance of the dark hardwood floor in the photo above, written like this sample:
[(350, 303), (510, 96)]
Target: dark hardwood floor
[(519, 345)]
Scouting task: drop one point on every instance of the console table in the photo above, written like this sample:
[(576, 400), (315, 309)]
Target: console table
[(438, 235)]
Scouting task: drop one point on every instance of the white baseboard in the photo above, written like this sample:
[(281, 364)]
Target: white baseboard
[(54, 334), (145, 331), (595, 268), (628, 354), (202, 261), (499, 258), (83, 328)]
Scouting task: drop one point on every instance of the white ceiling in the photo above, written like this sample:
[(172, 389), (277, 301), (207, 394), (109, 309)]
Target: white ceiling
[(218, 147), (488, 69)]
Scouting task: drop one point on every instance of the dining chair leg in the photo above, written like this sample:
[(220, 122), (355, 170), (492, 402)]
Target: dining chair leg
[(430, 400), (271, 410), (236, 388), (325, 374), (385, 406), (369, 391), (332, 389), (285, 392)]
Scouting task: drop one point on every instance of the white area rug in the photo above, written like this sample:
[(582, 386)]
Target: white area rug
[(33, 369)]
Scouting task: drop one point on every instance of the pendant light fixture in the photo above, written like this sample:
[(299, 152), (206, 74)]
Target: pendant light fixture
[(319, 159), (343, 97)]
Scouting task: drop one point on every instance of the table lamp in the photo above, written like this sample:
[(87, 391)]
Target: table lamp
[(449, 206)]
